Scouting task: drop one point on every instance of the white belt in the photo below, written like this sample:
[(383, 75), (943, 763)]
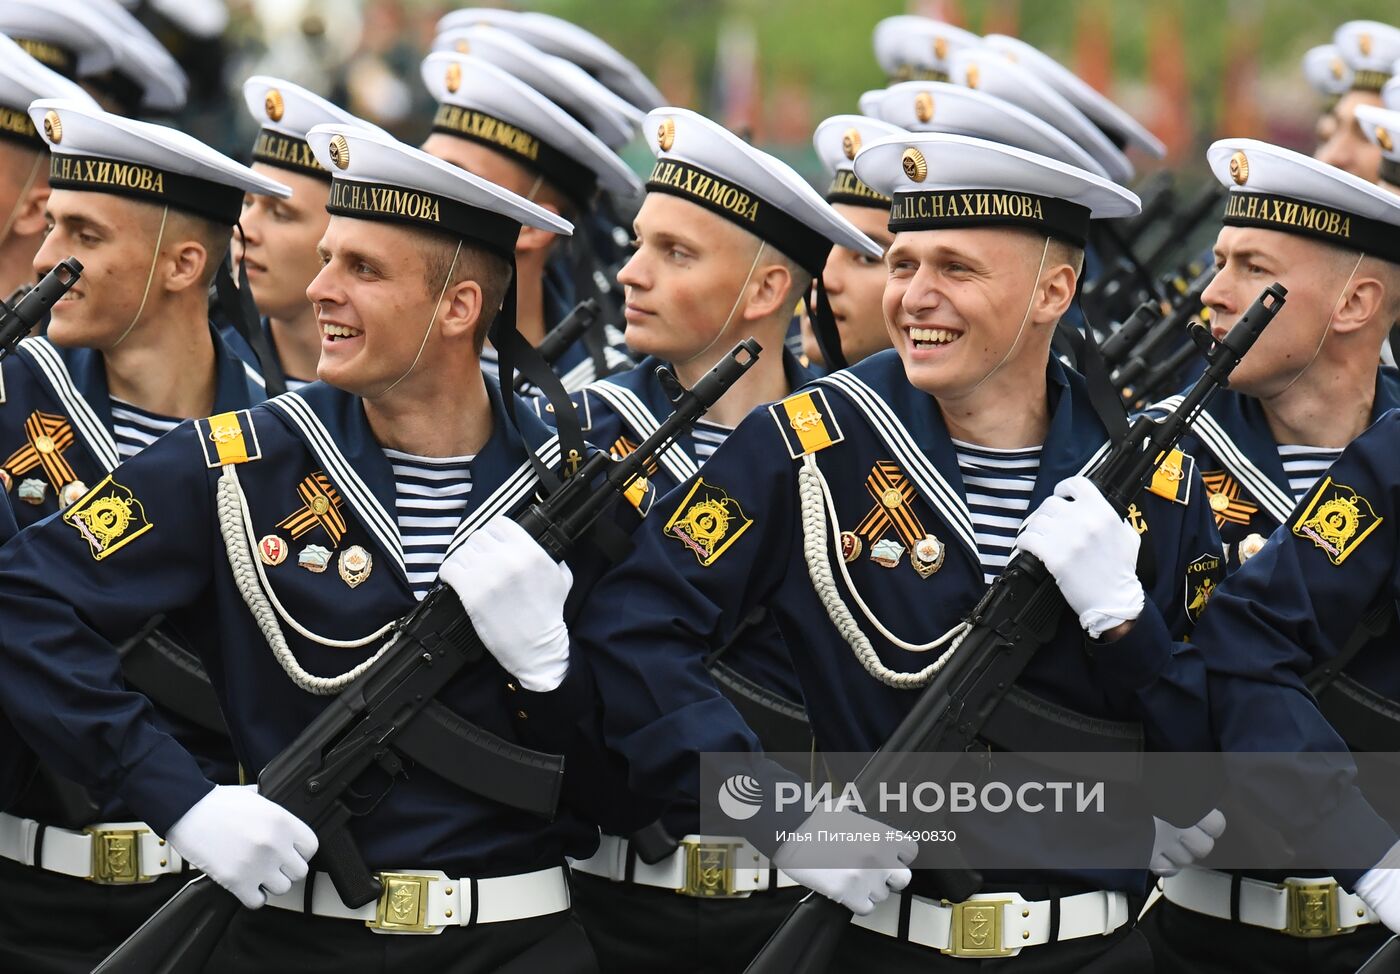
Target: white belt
[(703, 865), (110, 853), (1303, 906), (428, 901), (997, 924)]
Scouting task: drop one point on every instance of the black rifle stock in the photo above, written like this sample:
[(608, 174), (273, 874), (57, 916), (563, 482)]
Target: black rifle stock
[(1144, 356), (28, 310), (1386, 959), (562, 336), (314, 777), (1019, 613)]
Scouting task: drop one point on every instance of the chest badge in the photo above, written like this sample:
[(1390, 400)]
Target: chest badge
[(355, 565), (47, 438), (886, 553), (272, 550), (893, 510), (1223, 495), (1203, 574), (850, 546), (314, 558), (320, 507)]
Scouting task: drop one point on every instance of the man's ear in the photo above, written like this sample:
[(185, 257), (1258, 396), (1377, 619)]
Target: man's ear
[(29, 218), (1055, 294), (768, 291), (185, 266), (1362, 302), (532, 239), (460, 311)]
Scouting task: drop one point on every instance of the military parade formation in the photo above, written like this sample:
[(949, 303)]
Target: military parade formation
[(389, 533)]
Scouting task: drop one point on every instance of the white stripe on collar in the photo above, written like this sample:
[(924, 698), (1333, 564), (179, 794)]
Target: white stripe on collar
[(584, 373), (255, 376), (634, 412), (511, 492), (377, 520), (882, 419), (98, 438), (1274, 499)]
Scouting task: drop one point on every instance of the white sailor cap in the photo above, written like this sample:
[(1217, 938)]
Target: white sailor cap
[(570, 42), (1325, 70), (704, 163), (198, 18), (1278, 189), (64, 37), (1121, 128), (1390, 93), (573, 89), (22, 80), (479, 102), (285, 112), (376, 177), (909, 47), (989, 71), (940, 181), (145, 77), (939, 106), (837, 140), (1382, 128), (1370, 48), (97, 152)]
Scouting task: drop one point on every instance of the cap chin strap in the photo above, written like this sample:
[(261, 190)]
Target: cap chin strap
[(1336, 305), (237, 302), (155, 258), (431, 321), (19, 200), (737, 301), (1024, 318)]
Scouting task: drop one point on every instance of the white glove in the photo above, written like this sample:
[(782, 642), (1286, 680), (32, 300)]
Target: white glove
[(1091, 551), (1379, 888), (514, 594), (245, 843), (881, 867), (1174, 848)]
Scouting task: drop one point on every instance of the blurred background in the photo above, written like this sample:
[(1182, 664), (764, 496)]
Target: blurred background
[(1191, 70)]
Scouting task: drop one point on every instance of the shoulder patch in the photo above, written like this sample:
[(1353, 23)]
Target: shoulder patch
[(640, 494), (109, 517), (806, 422), (228, 438), (1172, 478), (1337, 520), (1202, 575), (707, 522)]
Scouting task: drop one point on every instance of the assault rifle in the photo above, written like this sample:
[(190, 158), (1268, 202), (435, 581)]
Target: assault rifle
[(1019, 613), (371, 720), (562, 336), (27, 306), (1147, 353)]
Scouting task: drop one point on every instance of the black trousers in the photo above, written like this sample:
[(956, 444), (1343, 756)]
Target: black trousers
[(55, 924), (1124, 951), (272, 941), (642, 930), (1185, 942)]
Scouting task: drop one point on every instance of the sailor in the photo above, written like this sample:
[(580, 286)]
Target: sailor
[(726, 243), (912, 48), (129, 353), (1309, 386), (1368, 50), (854, 280), (494, 124), (870, 510), (1329, 76), (276, 238), (292, 537), (24, 160), (1381, 126)]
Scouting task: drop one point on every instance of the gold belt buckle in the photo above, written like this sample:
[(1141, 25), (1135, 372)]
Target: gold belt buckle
[(403, 905), (116, 857), (709, 869), (975, 930), (1312, 909)]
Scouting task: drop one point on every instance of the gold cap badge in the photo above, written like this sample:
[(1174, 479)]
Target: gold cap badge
[(53, 127), (940, 47), (463, 47), (923, 106), (666, 134), (850, 143), (1338, 69), (1363, 41), (340, 152), (972, 75), (915, 166), (1384, 140), (1239, 168), (274, 105), (454, 78)]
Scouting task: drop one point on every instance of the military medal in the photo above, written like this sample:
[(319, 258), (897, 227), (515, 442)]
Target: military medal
[(272, 550), (314, 558), (355, 565), (72, 493), (850, 546), (886, 553), (6, 481), (1219, 502), (928, 555), (32, 491), (1249, 547)]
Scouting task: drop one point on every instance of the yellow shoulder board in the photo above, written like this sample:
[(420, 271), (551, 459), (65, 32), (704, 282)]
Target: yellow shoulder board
[(1172, 478), (228, 438), (806, 422)]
